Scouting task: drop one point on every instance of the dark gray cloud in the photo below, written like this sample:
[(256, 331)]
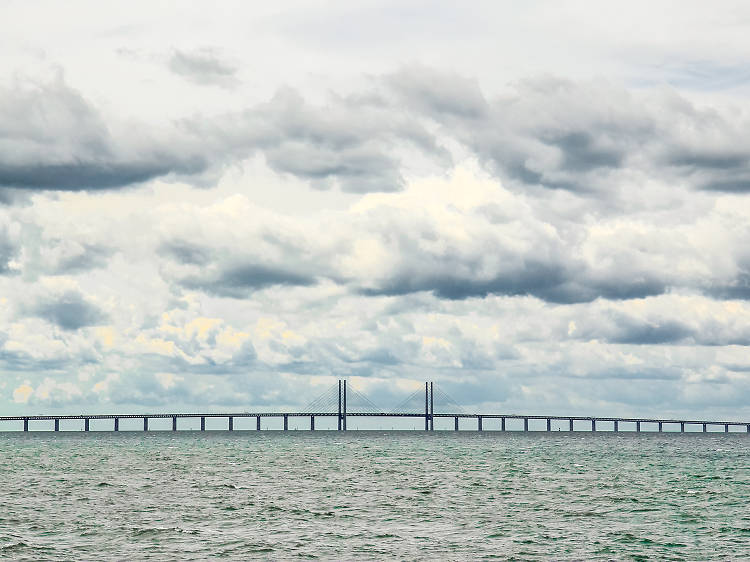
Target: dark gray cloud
[(547, 132), (185, 252), (88, 175), (554, 283), (736, 286), (634, 287), (629, 331), (203, 66), (488, 264), (530, 279), (52, 138), (451, 253), (267, 256), (242, 279), (582, 137), (657, 324), (69, 311), (87, 257), (356, 170), (351, 143), (578, 136), (580, 151), (10, 196)]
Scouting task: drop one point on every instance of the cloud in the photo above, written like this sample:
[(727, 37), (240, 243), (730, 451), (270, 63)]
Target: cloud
[(81, 257), (67, 257), (184, 252), (203, 66), (586, 137), (438, 93), (351, 143), (69, 310), (460, 238), (630, 269), (22, 394), (53, 138), (591, 138), (628, 330), (241, 279), (684, 319), (8, 251), (54, 392)]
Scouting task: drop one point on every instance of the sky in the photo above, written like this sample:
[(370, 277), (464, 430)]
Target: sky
[(544, 207)]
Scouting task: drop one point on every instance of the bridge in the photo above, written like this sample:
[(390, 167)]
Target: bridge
[(337, 402)]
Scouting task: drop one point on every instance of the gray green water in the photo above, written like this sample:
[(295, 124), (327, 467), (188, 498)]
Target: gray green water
[(374, 495)]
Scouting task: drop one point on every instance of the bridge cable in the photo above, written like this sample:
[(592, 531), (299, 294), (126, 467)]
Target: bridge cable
[(444, 399), (325, 401)]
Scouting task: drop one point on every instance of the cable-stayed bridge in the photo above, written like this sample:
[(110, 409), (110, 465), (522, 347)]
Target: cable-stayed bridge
[(342, 401)]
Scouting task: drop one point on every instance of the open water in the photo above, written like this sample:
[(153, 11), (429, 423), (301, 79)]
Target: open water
[(374, 496)]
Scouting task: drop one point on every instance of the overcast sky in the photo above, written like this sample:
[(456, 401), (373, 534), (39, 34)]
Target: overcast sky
[(542, 206)]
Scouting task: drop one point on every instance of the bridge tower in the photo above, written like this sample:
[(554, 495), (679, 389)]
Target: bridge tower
[(429, 407), (342, 405)]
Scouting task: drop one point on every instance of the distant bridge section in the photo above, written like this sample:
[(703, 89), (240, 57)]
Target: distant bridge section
[(343, 403)]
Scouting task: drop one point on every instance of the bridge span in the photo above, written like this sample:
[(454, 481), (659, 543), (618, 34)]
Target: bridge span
[(632, 424)]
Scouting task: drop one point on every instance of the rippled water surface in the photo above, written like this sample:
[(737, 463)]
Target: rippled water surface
[(374, 495)]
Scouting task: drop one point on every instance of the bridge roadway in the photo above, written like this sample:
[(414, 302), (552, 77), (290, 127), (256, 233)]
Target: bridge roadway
[(428, 417)]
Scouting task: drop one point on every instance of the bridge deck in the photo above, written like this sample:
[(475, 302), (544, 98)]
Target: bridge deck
[(370, 414)]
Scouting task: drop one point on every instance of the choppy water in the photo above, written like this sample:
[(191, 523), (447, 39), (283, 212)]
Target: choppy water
[(374, 495)]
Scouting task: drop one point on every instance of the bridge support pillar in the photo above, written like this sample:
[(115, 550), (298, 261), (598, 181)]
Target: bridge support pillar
[(549, 424), (231, 423), (638, 427), (117, 424), (479, 423), (174, 423), (312, 423), (502, 424), (705, 428), (25, 424), (616, 428), (748, 428), (570, 424), (455, 424), (660, 424), (85, 424), (525, 424), (682, 427), (286, 422), (726, 428), (57, 425), (593, 424), (203, 423), (145, 424), (257, 423)]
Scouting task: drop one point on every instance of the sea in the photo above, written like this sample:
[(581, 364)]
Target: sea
[(374, 495)]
